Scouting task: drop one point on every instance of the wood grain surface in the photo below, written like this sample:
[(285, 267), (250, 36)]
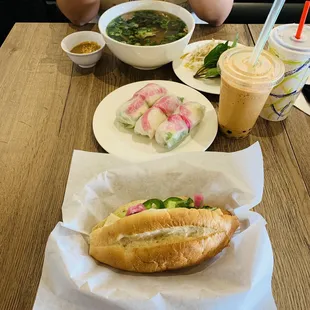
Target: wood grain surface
[(46, 110)]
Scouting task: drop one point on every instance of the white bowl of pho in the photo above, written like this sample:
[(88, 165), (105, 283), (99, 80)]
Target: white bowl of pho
[(147, 34)]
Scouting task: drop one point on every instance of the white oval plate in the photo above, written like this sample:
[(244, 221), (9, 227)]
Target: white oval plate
[(124, 143), (186, 75)]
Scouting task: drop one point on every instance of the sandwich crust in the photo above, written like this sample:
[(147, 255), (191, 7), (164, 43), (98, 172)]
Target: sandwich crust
[(121, 210), (165, 239)]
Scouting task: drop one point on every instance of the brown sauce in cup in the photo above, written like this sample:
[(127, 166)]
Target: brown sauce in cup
[(86, 47)]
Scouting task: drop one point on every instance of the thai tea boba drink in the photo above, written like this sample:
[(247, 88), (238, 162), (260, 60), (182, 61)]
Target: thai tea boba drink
[(295, 54), (245, 88)]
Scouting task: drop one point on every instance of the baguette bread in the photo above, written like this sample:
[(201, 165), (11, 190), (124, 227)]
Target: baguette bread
[(161, 239), (121, 211)]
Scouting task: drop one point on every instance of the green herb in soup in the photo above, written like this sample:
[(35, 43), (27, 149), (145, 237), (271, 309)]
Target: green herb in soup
[(147, 28)]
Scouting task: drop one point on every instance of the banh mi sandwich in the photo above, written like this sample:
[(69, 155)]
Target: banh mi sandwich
[(154, 235)]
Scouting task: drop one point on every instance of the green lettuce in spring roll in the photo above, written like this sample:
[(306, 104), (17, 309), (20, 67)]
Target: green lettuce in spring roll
[(129, 112), (177, 127)]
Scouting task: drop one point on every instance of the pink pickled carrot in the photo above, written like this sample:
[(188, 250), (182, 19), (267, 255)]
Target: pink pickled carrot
[(198, 200), (135, 209)]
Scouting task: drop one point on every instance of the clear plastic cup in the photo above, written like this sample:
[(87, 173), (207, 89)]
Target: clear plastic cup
[(295, 55), (245, 89)]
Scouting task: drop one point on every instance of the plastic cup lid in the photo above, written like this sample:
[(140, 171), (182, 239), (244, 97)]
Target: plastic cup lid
[(234, 63), (284, 35)]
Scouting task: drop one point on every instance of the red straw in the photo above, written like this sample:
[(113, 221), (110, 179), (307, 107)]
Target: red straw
[(302, 20)]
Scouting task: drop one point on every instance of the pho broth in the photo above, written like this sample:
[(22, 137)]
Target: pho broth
[(147, 28)]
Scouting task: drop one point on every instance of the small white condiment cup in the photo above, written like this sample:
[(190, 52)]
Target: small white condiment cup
[(83, 60)]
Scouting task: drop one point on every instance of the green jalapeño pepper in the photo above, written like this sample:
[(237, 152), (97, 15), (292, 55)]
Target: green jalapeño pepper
[(176, 202), (154, 204), (171, 202)]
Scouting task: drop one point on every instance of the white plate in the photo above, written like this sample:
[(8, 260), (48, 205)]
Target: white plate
[(186, 75), (124, 143)]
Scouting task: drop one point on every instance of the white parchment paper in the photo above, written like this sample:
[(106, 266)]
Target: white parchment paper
[(238, 278), (301, 102)]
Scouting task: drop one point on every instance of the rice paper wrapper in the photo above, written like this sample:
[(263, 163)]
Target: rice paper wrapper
[(239, 277)]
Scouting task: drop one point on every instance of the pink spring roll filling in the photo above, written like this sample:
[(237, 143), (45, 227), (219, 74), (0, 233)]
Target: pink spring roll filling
[(145, 120), (150, 90), (186, 113), (137, 103), (186, 121), (167, 104), (175, 121)]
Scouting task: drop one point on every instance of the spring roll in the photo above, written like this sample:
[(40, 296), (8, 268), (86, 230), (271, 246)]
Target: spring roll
[(151, 119), (149, 122), (151, 93), (172, 131), (192, 111), (168, 104), (129, 112)]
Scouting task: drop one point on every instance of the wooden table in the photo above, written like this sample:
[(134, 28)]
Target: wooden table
[(46, 110)]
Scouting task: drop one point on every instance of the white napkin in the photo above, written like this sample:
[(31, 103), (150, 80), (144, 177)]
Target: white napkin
[(301, 103), (239, 276)]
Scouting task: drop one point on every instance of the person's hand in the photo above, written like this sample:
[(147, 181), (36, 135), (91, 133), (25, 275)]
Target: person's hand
[(214, 12), (79, 12)]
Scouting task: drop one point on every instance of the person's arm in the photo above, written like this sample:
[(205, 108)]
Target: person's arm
[(212, 11), (79, 12)]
